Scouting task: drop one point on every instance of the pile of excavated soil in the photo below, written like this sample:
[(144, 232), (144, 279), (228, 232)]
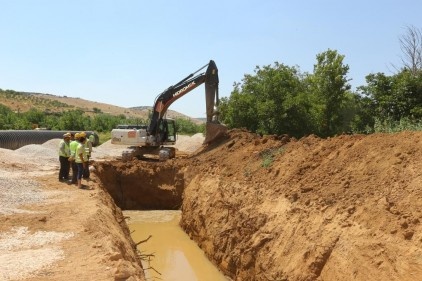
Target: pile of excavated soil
[(261, 208), (276, 208), (343, 208)]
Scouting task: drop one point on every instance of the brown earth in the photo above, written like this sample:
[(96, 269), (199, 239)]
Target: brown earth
[(274, 208), (345, 208), (262, 208), (99, 248)]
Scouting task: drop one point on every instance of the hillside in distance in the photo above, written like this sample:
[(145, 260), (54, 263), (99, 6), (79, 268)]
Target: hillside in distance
[(48, 103)]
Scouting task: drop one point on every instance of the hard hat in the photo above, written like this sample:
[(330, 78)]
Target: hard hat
[(77, 136), (82, 134), (67, 135)]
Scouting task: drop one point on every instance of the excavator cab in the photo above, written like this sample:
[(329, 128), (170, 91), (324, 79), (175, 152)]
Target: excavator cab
[(167, 131)]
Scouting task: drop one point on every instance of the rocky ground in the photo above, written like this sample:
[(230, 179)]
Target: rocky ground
[(262, 208)]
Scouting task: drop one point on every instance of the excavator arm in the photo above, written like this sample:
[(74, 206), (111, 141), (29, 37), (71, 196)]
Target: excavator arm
[(173, 93), (161, 131)]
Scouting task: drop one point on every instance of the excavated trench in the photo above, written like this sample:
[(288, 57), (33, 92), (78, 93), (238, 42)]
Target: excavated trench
[(138, 186), (142, 185), (270, 208)]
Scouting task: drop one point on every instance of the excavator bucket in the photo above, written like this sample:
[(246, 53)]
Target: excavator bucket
[(214, 131)]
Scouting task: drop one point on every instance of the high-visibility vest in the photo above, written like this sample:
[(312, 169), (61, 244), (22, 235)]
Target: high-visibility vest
[(73, 146), (79, 150), (88, 147), (64, 149)]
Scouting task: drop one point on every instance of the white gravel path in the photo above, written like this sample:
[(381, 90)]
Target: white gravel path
[(22, 252), (19, 247)]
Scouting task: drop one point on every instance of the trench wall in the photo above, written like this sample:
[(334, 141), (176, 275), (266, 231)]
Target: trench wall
[(139, 185)]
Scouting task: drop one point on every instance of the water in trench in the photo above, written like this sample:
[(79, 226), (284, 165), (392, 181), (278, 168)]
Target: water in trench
[(176, 257)]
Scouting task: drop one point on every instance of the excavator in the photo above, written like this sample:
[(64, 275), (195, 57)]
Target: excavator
[(153, 139)]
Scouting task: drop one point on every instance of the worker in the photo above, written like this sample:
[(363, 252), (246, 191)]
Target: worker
[(92, 139), (81, 158), (88, 149), (64, 153), (73, 146)]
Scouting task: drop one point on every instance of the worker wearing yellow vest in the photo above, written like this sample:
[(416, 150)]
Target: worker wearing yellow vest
[(73, 146), (88, 149), (81, 158), (64, 153)]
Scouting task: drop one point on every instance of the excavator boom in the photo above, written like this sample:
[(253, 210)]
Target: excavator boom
[(163, 101), (162, 131)]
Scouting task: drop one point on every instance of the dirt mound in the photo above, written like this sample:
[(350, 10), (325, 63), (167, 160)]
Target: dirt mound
[(274, 208), (261, 208), (277, 208)]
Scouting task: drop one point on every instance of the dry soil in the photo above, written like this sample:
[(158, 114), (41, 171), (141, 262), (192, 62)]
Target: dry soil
[(262, 208)]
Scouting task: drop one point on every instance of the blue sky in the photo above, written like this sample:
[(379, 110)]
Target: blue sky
[(127, 52)]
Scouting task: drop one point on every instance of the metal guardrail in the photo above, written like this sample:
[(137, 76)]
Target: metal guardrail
[(14, 139)]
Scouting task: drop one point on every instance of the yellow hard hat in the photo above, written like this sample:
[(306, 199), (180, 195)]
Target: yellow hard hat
[(82, 134), (77, 136)]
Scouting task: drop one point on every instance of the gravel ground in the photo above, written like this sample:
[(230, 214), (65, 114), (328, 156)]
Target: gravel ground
[(18, 246)]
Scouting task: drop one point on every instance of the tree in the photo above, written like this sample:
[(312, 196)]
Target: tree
[(270, 102), (411, 46), (74, 120), (185, 126), (5, 114), (395, 97), (35, 116), (239, 111), (329, 87)]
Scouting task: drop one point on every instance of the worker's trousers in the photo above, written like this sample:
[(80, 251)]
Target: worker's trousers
[(64, 168)]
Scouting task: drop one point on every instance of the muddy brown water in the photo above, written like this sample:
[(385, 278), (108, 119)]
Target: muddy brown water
[(176, 256)]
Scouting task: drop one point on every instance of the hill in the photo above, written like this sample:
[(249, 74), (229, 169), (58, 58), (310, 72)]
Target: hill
[(24, 101)]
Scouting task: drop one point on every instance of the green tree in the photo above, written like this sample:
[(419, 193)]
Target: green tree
[(395, 97), (239, 111), (272, 101), (35, 116), (5, 114), (97, 110), (363, 120), (187, 127), (106, 122), (51, 122), (329, 90), (73, 120)]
